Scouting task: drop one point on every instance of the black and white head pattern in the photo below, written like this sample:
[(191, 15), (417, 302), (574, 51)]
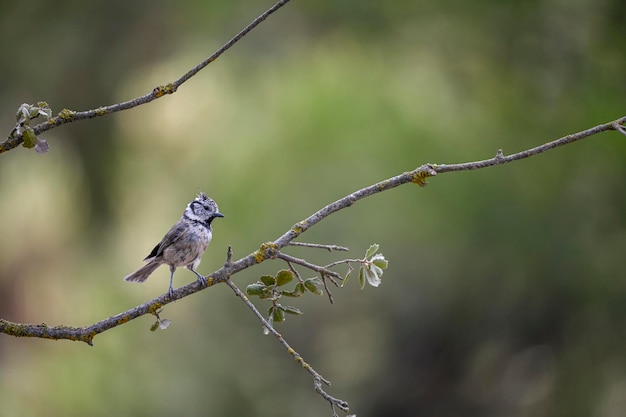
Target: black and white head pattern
[(202, 210)]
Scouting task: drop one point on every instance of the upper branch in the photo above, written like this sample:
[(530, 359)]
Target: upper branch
[(67, 116), (420, 174)]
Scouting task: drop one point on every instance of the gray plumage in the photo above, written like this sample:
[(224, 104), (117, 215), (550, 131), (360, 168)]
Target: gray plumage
[(185, 242)]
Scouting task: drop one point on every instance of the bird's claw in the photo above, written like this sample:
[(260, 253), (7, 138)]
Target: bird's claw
[(202, 280)]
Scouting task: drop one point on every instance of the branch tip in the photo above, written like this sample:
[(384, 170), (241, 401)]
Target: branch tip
[(229, 257)]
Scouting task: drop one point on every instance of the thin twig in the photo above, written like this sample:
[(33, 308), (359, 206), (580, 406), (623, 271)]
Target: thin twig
[(302, 262), (345, 261), (620, 128), (230, 43), (229, 257), (318, 379), (68, 116), (324, 272), (330, 295), (321, 246), (295, 272)]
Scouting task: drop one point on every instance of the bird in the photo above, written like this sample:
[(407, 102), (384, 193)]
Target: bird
[(184, 244)]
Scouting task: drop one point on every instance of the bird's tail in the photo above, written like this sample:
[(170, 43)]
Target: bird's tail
[(142, 273)]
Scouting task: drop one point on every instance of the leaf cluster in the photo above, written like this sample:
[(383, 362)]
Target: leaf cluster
[(25, 113), (272, 288)]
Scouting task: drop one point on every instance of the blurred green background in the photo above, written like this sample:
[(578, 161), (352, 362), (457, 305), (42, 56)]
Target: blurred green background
[(505, 292)]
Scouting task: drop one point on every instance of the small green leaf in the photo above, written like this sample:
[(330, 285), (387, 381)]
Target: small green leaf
[(372, 274), (372, 250), (345, 279), (268, 280), (255, 289), (154, 326), (378, 271), (283, 277), (315, 285), (380, 261), (46, 113), (292, 310), (361, 277), (43, 109), (268, 292), (278, 314), (33, 111), (23, 113), (297, 291), (30, 139)]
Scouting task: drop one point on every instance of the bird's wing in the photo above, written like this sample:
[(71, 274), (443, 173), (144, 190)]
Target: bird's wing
[(176, 232)]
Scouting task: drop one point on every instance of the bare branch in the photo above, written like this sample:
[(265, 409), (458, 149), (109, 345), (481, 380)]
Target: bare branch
[(318, 379), (501, 159), (344, 261), (68, 116), (228, 44), (331, 299), (419, 175), (317, 245)]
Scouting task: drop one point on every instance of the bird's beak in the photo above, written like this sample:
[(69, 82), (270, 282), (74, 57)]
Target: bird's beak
[(219, 215)]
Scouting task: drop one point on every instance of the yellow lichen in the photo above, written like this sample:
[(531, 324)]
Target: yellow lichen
[(420, 175), (299, 227), (66, 114), (154, 308), (161, 90), (383, 185), (259, 255)]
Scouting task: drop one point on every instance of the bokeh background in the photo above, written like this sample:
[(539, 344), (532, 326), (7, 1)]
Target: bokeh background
[(505, 292)]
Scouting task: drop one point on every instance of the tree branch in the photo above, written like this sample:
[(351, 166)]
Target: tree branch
[(271, 250), (318, 379), (67, 116)]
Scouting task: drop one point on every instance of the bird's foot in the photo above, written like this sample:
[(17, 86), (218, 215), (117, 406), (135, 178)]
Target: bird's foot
[(202, 280)]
